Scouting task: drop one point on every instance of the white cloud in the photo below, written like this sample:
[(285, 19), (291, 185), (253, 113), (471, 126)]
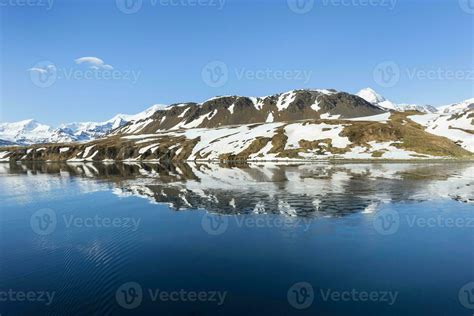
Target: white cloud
[(93, 63), (40, 70), (43, 70)]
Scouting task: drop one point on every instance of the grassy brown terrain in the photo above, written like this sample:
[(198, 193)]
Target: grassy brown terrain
[(411, 136)]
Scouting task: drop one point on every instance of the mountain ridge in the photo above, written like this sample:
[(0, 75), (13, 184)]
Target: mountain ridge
[(294, 125), (87, 131)]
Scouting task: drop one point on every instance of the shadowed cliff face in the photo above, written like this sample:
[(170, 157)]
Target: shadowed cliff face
[(309, 190)]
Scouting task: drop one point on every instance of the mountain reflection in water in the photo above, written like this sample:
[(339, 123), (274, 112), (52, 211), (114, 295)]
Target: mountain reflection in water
[(310, 190)]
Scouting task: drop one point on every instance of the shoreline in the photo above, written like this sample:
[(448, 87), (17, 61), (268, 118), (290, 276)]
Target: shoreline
[(299, 161)]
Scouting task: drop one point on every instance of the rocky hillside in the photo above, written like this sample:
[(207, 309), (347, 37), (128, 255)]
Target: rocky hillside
[(383, 136), (235, 110)]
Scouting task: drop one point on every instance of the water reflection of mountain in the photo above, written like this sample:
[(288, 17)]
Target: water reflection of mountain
[(291, 190)]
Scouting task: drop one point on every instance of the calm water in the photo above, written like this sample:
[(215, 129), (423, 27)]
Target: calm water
[(319, 239)]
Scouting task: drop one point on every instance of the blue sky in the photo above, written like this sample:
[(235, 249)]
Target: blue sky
[(166, 51)]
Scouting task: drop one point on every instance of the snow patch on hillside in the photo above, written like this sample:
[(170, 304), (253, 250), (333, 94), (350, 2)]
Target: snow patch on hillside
[(269, 118), (457, 126), (214, 142), (315, 105), (285, 100), (382, 118), (312, 132), (231, 108)]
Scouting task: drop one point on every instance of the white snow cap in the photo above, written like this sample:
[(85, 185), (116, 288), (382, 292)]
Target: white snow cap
[(369, 95)]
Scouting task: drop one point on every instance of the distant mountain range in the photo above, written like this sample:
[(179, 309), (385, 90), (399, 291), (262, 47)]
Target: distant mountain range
[(295, 125), (373, 97), (30, 131)]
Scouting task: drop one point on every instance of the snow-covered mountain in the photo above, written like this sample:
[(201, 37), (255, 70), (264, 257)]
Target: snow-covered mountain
[(216, 112), (29, 132), (373, 97), (457, 107), (294, 125)]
